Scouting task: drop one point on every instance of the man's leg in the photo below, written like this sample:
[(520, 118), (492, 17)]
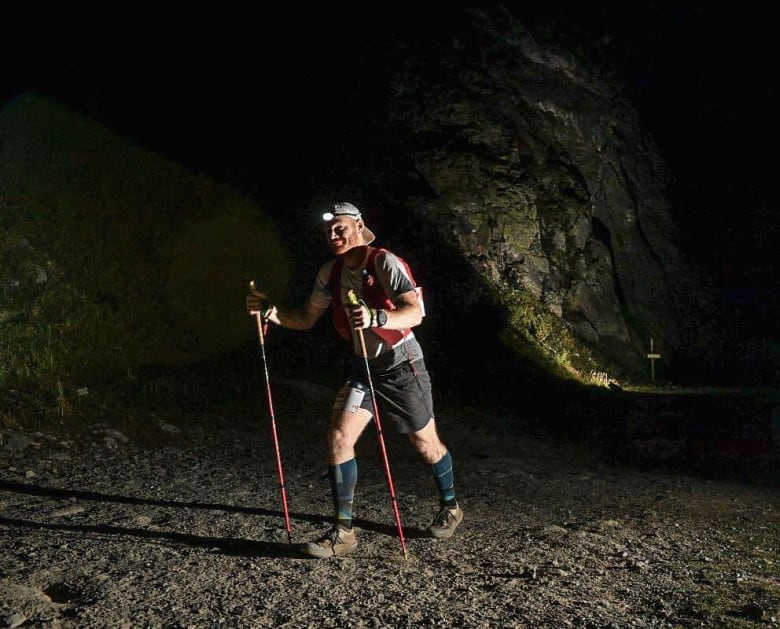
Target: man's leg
[(426, 441), (345, 429)]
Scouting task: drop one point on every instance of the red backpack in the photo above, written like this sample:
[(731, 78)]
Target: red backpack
[(373, 295)]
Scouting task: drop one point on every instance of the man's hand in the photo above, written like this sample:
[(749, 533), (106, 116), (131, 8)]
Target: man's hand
[(254, 301), (254, 304), (359, 317)]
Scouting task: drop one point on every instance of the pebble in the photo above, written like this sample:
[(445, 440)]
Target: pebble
[(115, 434), (72, 510), (13, 620), (169, 428)]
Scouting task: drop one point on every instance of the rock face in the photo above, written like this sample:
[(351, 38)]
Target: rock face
[(543, 180)]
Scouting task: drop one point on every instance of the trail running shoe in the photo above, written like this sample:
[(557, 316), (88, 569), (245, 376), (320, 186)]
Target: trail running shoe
[(445, 523), (336, 541)]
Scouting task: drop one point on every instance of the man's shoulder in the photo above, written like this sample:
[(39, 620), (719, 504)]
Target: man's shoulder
[(384, 257), (329, 264), (394, 269), (325, 272)]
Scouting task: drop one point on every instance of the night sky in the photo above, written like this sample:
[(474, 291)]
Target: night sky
[(235, 95)]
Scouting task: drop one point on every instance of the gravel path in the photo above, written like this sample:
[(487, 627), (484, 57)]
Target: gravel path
[(186, 530)]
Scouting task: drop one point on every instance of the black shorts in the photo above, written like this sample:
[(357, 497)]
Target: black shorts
[(403, 396)]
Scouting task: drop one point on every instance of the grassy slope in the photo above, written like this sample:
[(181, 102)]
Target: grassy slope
[(114, 259)]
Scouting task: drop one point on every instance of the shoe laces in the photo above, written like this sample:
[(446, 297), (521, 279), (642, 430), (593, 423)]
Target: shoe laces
[(445, 515), (333, 536)]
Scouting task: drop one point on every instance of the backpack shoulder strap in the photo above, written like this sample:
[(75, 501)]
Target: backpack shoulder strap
[(371, 260)]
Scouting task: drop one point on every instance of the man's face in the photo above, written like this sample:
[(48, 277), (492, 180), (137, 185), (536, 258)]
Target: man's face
[(343, 233)]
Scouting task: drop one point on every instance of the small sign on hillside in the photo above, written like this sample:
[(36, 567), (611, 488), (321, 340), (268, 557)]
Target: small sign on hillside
[(652, 356)]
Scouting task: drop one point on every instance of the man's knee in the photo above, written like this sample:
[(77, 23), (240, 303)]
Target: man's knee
[(345, 430), (338, 438), (428, 444)]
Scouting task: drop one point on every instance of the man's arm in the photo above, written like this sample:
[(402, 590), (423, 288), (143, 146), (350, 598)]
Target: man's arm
[(301, 318), (408, 313), (296, 318)]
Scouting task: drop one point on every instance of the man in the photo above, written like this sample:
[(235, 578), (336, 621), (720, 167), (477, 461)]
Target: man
[(390, 307)]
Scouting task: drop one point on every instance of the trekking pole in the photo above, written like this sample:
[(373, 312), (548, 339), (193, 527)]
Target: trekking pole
[(262, 328), (354, 301)]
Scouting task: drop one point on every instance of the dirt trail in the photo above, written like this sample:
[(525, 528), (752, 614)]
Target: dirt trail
[(105, 531)]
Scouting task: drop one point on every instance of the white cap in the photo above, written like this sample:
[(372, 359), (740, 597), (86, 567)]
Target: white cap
[(347, 209)]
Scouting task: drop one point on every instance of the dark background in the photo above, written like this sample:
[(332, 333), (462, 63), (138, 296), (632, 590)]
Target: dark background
[(251, 98)]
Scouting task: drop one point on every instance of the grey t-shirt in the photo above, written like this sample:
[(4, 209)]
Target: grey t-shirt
[(394, 279)]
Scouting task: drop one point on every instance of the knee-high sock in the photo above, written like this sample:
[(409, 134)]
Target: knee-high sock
[(343, 479), (445, 480)]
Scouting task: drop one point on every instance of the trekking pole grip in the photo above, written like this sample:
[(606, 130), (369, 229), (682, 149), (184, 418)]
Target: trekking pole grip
[(354, 301), (262, 323)]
